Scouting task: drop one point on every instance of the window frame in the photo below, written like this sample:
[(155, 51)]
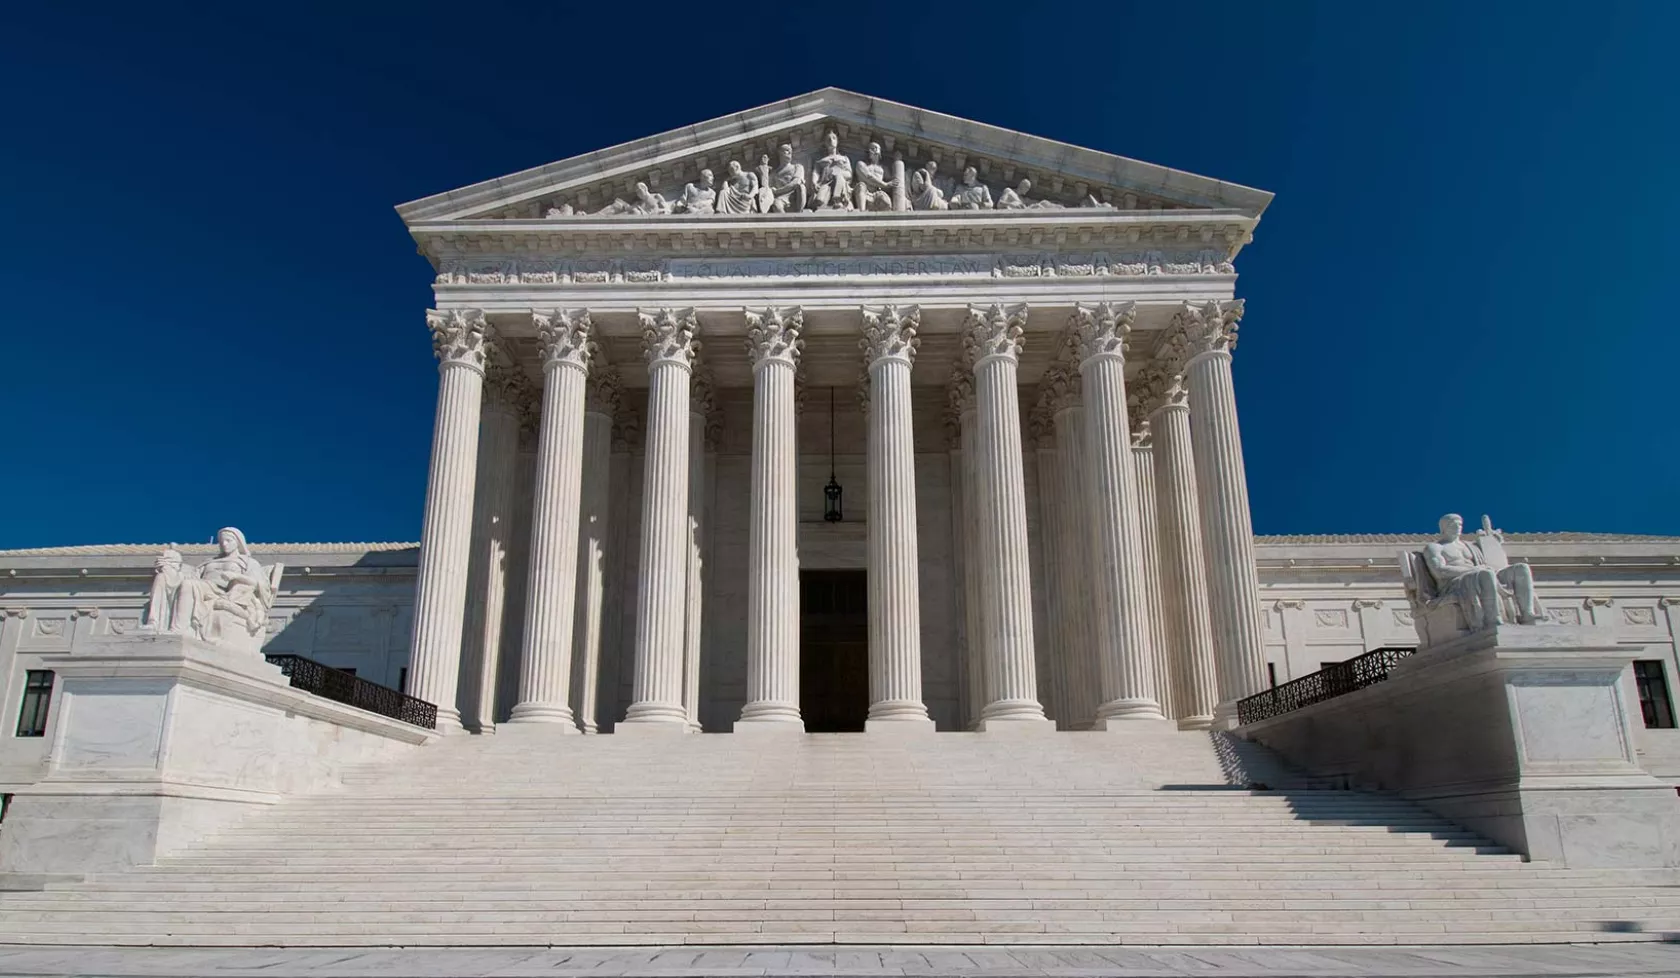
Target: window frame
[(35, 708)]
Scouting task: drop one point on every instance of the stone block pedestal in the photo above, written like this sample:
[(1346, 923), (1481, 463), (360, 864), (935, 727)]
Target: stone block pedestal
[(1519, 733), (159, 740)]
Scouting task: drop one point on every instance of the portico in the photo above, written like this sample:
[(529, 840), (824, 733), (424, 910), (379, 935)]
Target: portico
[(990, 365)]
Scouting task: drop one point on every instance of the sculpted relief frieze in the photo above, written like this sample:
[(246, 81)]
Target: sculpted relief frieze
[(831, 166), (521, 271)]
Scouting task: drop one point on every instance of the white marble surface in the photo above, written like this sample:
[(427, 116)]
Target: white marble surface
[(771, 961)]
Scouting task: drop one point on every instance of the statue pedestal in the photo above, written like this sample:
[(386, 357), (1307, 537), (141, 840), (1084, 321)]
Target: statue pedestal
[(1518, 732), (158, 740)]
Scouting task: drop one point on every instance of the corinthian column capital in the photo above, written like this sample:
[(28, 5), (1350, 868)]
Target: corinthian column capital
[(773, 336), (1210, 327), (1156, 386), (461, 337), (994, 332), (505, 386), (670, 336), (1060, 388), (890, 333), (1100, 330), (566, 338), (603, 390)]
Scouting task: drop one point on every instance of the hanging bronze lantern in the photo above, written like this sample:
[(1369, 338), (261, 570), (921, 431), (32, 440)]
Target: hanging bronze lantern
[(831, 492)]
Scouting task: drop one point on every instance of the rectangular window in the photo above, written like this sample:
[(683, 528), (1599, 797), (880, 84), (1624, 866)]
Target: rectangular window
[(1271, 673), (402, 680), (37, 697), (1653, 693), (1327, 665)]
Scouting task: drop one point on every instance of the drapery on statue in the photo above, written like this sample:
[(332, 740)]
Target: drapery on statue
[(1457, 586), (223, 601), (831, 177), (783, 188)]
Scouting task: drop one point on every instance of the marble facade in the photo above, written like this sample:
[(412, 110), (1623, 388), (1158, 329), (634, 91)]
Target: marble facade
[(1030, 352)]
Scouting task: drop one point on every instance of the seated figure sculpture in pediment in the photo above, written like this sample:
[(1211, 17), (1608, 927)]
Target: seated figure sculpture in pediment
[(698, 198), (970, 194), (783, 189), (1015, 199), (925, 194), (831, 177), (1457, 586), (875, 188), (223, 601), (739, 193)]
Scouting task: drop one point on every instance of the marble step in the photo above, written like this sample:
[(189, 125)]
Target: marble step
[(498, 900)]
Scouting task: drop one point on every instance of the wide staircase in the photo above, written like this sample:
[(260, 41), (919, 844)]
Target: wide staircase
[(1158, 837)]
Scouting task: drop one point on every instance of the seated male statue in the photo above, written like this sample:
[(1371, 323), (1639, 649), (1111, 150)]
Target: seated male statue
[(1476, 575)]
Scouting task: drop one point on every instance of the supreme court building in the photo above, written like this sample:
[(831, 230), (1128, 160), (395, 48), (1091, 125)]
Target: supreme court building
[(919, 422)]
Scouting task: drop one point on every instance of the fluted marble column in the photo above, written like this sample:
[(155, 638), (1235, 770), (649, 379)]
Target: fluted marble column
[(1233, 583), (601, 398), (669, 338), (545, 672), (1154, 616), (1184, 575), (1124, 659), (1058, 504), (462, 341), (699, 414), (994, 344), (1084, 689), (955, 465), (895, 614), (773, 345), (960, 407), (506, 391)]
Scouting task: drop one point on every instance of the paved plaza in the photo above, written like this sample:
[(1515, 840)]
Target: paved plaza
[(1576, 961)]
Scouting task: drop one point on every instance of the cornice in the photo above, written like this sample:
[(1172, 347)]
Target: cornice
[(837, 233)]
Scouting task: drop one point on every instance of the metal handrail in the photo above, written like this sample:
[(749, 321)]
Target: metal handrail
[(348, 688), (1327, 683)]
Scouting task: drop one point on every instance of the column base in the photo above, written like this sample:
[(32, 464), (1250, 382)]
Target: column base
[(899, 726), (1204, 722), (449, 721), (1013, 710), (770, 711), (898, 710), (1225, 717), (651, 728), (1129, 723), (1131, 708), (557, 714)]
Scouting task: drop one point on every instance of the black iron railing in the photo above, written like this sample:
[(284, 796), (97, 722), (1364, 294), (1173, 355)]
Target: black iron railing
[(334, 684), (1328, 683)]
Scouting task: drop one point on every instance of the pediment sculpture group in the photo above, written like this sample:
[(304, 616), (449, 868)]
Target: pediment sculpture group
[(832, 182)]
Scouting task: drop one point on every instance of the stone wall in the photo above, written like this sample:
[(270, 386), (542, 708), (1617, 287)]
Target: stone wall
[(1325, 598)]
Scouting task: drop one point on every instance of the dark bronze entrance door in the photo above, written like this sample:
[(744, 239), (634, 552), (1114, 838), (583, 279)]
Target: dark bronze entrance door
[(833, 650)]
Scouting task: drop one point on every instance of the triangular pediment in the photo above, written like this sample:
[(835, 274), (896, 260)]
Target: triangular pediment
[(1060, 175)]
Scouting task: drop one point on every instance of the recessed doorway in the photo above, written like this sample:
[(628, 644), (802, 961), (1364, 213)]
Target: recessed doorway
[(833, 650)]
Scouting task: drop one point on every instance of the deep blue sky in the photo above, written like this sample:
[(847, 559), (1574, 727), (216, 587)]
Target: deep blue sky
[(1461, 299)]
